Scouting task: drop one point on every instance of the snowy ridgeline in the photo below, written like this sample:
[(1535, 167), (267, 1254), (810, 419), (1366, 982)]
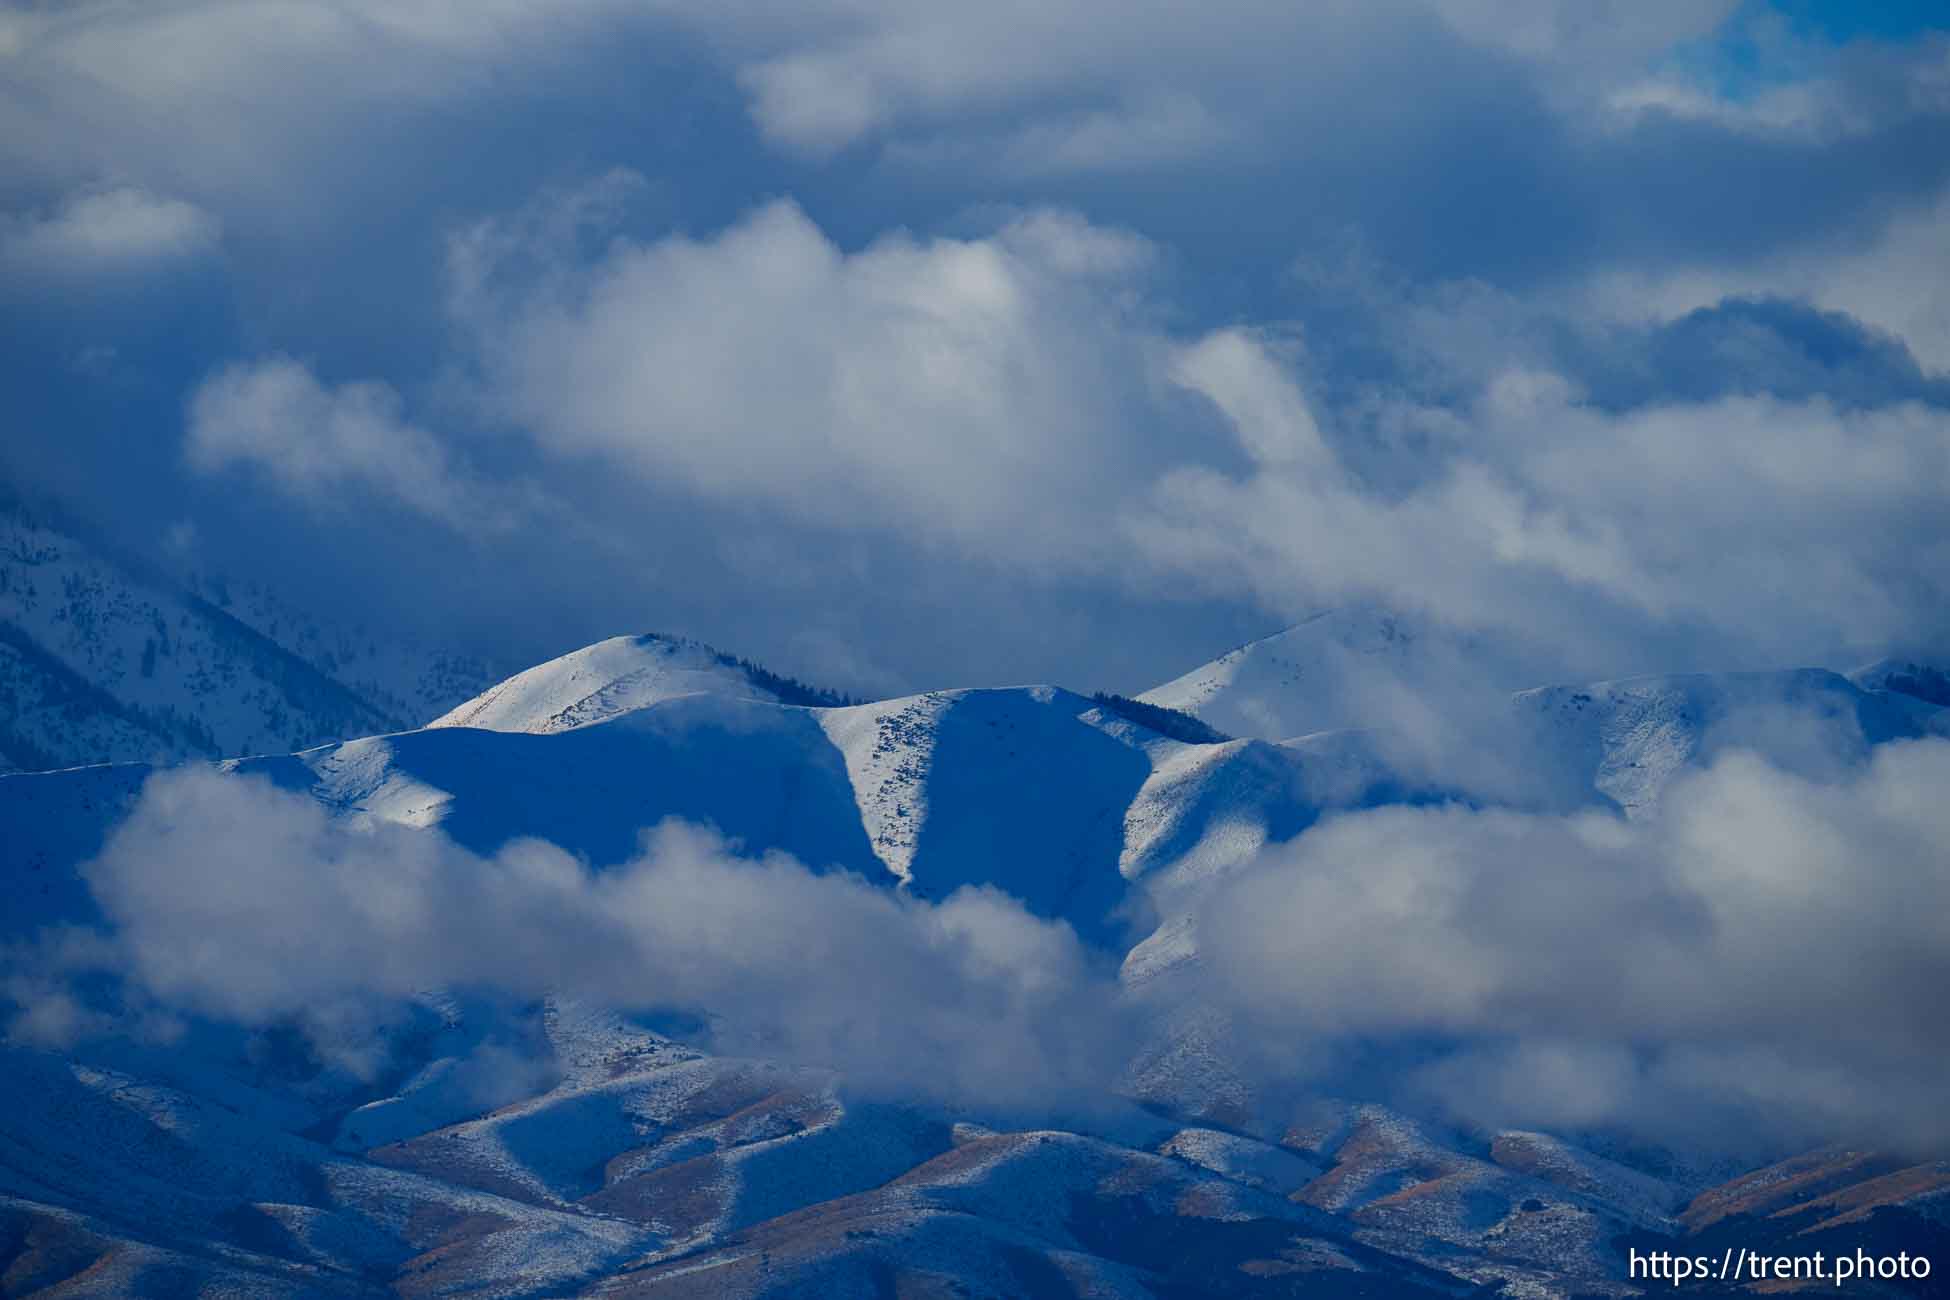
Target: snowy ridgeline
[(537, 1148), (531, 1147)]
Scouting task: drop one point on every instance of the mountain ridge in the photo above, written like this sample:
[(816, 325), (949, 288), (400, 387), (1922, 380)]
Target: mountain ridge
[(543, 1148)]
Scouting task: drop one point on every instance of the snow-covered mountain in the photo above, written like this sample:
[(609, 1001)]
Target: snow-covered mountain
[(555, 1148), (1353, 666), (1388, 691), (616, 676), (1036, 790), (405, 680), (1628, 739), (104, 659), (642, 1167), (1921, 679)]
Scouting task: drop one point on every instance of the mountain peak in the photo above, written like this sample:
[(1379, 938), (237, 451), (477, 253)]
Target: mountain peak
[(1336, 669), (602, 680), (1923, 679)]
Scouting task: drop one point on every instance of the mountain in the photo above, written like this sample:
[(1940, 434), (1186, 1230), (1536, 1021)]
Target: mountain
[(617, 676), (105, 659), (642, 1167), (406, 681), (1927, 680), (1355, 666), (557, 1148), (1057, 799), (1389, 694), (646, 1168), (1035, 790), (1628, 739)]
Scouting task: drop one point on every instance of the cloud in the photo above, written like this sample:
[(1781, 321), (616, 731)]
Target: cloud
[(881, 345), (230, 898), (1761, 954), (1754, 964), (1020, 402), (90, 71), (1068, 93), (1019, 395), (106, 230), (1532, 500), (1890, 275), (313, 440), (842, 73), (972, 390), (1757, 346)]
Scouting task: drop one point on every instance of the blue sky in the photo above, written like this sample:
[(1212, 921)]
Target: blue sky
[(1765, 44), (1838, 20), (902, 345)]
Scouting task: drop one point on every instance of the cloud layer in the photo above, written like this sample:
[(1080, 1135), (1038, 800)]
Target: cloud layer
[(874, 331), (1759, 958), (229, 898), (1753, 965), (1020, 401)]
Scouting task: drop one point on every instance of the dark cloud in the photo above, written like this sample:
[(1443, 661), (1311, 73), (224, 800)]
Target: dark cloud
[(722, 425), (1750, 347)]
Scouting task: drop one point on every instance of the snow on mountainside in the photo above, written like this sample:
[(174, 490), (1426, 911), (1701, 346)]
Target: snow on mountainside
[(105, 660), (1628, 739), (1354, 685), (406, 681), (557, 1149), (641, 1167), (1925, 680), (1358, 666), (601, 681)]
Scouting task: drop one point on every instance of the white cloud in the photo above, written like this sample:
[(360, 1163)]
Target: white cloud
[(230, 898), (1581, 33), (1017, 401), (313, 440), (842, 73), (107, 229), (1818, 521), (1758, 961), (1767, 946), (973, 390), (249, 107), (1260, 399), (1151, 132), (1813, 110), (155, 87)]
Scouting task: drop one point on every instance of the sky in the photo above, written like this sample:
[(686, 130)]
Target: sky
[(909, 345)]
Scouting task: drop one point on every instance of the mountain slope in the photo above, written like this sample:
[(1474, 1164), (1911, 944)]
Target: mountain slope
[(1357, 666), (1628, 739), (557, 1149), (105, 660), (409, 682), (1393, 699), (602, 680), (1927, 680), (1035, 790)]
